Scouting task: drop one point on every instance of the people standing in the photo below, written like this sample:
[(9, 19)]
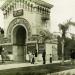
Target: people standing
[(33, 59), (30, 57), (35, 56), (3, 55), (44, 56), (72, 57), (6, 55), (50, 58)]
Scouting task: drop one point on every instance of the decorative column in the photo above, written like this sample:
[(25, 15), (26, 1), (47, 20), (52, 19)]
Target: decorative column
[(20, 2), (28, 6)]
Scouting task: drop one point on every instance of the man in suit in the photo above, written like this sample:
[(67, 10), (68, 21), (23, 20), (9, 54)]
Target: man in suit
[(44, 57)]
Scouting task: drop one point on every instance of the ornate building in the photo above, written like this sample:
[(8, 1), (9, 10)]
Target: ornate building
[(26, 27)]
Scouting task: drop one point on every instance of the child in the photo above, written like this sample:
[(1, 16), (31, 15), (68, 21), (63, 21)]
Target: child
[(50, 58)]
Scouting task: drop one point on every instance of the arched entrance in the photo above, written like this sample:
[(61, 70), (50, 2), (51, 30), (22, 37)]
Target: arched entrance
[(19, 39), (18, 33)]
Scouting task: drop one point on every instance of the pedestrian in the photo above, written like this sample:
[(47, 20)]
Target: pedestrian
[(50, 58), (35, 56), (6, 55), (0, 49), (72, 57), (3, 55), (44, 56), (33, 59), (30, 56)]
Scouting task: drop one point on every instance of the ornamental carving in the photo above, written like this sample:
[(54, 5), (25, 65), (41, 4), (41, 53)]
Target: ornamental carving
[(18, 21)]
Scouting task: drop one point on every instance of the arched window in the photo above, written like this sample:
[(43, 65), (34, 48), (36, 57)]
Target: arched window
[(31, 7), (25, 4), (47, 11), (38, 8), (10, 7), (8, 10), (43, 10), (28, 5)]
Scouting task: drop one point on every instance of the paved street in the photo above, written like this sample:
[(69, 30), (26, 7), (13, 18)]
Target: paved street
[(38, 68), (9, 65)]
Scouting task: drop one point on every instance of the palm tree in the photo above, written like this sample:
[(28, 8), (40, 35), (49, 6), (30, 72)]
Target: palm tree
[(63, 28)]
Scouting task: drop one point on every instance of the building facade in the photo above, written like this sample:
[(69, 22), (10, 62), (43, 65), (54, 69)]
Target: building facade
[(26, 24)]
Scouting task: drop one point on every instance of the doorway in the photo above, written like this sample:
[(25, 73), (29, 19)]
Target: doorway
[(19, 39)]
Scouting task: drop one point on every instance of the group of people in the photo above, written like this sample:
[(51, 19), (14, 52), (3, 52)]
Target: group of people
[(33, 57), (44, 57)]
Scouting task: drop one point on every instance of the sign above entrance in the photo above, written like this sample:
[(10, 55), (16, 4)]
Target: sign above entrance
[(41, 47), (31, 47), (18, 13)]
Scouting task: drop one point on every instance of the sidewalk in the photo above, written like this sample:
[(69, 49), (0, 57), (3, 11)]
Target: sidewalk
[(19, 65)]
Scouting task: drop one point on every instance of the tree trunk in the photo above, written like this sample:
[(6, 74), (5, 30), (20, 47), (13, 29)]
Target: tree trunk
[(62, 51)]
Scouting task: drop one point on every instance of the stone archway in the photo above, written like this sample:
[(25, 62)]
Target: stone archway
[(19, 39), (18, 33), (18, 21)]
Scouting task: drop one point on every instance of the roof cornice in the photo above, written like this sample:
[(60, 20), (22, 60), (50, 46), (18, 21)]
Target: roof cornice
[(38, 2)]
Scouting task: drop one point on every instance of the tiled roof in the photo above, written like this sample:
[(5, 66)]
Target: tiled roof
[(39, 2)]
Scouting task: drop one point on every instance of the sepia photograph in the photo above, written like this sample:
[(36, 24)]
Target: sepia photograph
[(37, 37)]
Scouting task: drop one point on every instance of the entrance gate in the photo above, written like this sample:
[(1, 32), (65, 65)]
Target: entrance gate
[(19, 38)]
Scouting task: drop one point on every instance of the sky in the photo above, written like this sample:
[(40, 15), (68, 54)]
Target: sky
[(62, 11)]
